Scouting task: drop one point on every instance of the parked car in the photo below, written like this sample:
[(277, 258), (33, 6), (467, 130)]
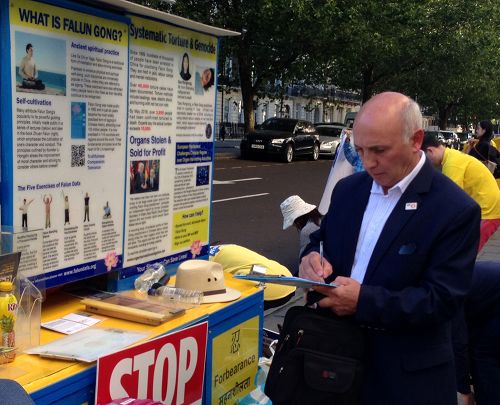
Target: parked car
[(283, 137), (316, 124), (329, 138), (448, 138), (464, 137), (349, 118), (451, 139)]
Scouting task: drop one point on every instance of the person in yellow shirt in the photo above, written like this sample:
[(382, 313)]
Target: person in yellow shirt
[(473, 177)]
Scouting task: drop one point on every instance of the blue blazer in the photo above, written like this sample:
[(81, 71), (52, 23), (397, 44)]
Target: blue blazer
[(476, 335), (416, 280)]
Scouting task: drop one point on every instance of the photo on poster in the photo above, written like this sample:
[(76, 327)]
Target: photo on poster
[(184, 67), (78, 120), (107, 211), (208, 131), (205, 77), (144, 176), (202, 175), (40, 64)]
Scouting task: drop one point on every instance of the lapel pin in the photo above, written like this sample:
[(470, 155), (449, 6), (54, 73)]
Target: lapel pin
[(411, 206)]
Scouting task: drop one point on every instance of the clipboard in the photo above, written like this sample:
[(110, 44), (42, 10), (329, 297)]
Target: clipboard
[(284, 280)]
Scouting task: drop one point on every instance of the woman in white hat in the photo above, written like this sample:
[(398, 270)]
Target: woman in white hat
[(305, 217)]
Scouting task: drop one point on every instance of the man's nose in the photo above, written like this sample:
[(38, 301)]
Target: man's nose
[(369, 161)]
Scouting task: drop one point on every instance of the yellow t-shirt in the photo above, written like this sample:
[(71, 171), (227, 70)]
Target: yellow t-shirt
[(496, 142), (475, 179), (237, 259)]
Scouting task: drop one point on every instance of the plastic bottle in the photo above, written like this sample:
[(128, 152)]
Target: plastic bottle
[(8, 312), (151, 275), (179, 295)]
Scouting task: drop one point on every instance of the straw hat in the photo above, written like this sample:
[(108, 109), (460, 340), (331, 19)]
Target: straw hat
[(207, 277), (292, 208)]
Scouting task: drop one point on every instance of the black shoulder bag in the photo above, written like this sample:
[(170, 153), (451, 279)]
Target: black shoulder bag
[(318, 360)]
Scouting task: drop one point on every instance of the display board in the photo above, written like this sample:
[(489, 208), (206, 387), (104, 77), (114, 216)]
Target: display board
[(107, 139), (171, 114)]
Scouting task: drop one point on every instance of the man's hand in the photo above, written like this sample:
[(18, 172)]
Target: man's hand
[(310, 267), (342, 300), (468, 399)]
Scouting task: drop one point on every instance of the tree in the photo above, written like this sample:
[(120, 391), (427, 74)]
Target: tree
[(460, 72), (442, 52), (274, 38), (370, 42)]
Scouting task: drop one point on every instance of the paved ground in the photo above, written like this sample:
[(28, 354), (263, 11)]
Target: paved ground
[(491, 251), (228, 149)]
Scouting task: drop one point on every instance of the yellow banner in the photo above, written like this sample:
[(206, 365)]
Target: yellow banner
[(26, 13), (190, 229), (153, 34), (235, 358)]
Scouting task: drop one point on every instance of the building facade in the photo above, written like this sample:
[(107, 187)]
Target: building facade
[(315, 104)]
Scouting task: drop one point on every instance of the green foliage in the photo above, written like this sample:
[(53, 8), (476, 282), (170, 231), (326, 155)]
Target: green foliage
[(445, 53), (442, 52)]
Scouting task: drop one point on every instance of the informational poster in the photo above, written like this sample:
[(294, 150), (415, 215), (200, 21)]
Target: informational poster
[(69, 81), (235, 358), (170, 142)]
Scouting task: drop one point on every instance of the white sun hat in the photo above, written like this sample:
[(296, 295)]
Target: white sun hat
[(207, 277), (292, 208)]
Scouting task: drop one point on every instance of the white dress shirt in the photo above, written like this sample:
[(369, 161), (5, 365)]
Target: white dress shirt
[(377, 212)]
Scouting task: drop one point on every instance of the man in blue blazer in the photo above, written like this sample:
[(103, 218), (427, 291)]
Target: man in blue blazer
[(476, 337), (400, 239)]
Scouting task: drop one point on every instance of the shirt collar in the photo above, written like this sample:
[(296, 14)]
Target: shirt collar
[(403, 184)]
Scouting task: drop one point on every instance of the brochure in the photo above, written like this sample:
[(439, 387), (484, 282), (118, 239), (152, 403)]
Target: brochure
[(72, 323), (88, 345), (9, 263)]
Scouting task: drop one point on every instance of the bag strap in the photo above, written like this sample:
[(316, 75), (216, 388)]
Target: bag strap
[(480, 153)]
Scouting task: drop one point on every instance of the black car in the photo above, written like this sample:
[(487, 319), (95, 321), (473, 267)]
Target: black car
[(283, 137)]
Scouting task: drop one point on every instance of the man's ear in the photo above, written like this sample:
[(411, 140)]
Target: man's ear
[(417, 139)]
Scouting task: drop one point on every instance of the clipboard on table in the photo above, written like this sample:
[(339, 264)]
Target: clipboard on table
[(284, 280)]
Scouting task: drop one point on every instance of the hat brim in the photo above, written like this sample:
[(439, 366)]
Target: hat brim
[(230, 295), (288, 223)]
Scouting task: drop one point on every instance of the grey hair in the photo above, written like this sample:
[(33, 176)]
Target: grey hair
[(411, 118)]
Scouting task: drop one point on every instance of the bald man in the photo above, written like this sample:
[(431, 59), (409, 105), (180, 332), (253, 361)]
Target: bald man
[(400, 241)]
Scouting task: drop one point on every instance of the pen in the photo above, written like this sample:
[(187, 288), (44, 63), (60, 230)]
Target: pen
[(321, 252)]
